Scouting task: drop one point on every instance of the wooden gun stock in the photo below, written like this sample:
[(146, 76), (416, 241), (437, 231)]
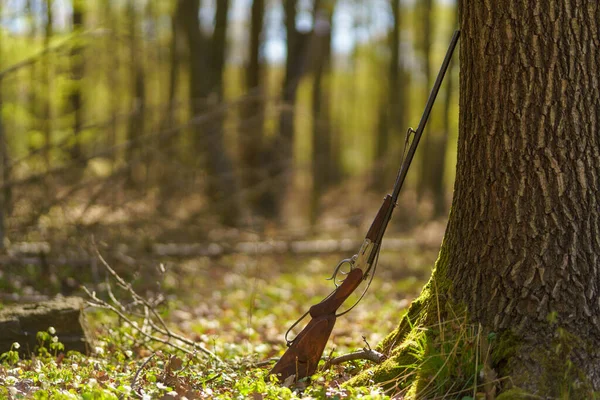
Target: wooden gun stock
[(302, 357)]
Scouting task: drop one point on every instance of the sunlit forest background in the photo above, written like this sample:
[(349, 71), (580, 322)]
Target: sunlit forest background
[(178, 128)]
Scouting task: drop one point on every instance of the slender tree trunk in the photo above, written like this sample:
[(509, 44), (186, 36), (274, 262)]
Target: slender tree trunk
[(281, 155), (32, 93), (209, 139), (290, 83), (426, 29), (4, 164), (77, 71), (391, 112), (5, 195), (2, 151), (166, 143), (47, 77), (112, 77), (438, 152), (440, 148), (138, 95), (174, 56), (219, 47), (252, 144), (521, 250), (321, 133)]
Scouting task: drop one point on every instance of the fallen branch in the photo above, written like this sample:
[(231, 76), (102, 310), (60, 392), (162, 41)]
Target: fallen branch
[(364, 354)]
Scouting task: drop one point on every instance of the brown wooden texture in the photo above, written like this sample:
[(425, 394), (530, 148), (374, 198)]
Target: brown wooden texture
[(302, 358), (523, 239), (332, 303)]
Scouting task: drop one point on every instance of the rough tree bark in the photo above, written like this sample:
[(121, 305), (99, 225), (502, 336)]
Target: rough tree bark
[(521, 250)]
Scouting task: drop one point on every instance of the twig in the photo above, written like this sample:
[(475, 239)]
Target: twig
[(367, 343), (264, 363), (139, 371), (148, 309), (103, 304), (127, 286), (99, 303), (364, 354)]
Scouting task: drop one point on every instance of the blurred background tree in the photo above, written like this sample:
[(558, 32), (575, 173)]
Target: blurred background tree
[(147, 120)]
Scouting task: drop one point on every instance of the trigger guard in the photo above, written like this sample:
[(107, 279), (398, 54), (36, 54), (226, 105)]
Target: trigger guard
[(336, 271)]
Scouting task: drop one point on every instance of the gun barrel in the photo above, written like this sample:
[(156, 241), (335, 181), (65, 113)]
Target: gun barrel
[(434, 92)]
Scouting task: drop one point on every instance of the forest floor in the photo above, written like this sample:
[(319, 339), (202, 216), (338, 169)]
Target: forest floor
[(238, 307)]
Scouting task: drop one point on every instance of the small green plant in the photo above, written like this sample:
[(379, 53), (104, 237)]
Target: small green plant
[(11, 357), (48, 343)]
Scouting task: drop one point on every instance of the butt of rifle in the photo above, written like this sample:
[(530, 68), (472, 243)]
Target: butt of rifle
[(302, 357)]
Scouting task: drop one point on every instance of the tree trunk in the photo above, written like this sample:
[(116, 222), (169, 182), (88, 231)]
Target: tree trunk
[(392, 113), (219, 47), (425, 185), (47, 78), (321, 132), (5, 170), (77, 66), (290, 83), (112, 77), (221, 187), (440, 148), (138, 99), (166, 141), (521, 250), (281, 152), (33, 94), (169, 119), (252, 126), (5, 195)]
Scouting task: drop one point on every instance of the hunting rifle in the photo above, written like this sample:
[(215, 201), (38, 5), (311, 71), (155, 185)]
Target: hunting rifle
[(305, 350)]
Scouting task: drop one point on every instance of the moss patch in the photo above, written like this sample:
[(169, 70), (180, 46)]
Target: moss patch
[(433, 351), (506, 345), (517, 394)]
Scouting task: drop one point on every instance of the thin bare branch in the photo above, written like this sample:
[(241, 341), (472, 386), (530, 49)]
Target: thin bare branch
[(99, 303), (139, 371), (364, 354)]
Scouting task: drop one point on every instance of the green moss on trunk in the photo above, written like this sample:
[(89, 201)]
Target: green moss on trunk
[(424, 345), (436, 350)]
